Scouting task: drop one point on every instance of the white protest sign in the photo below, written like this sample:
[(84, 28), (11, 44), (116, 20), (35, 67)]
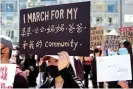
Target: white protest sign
[(7, 74), (113, 68)]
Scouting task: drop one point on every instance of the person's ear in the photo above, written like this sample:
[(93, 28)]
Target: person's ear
[(5, 50)]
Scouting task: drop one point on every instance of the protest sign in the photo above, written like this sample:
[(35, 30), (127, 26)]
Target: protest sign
[(113, 68), (51, 29), (126, 33), (112, 42), (7, 74), (97, 36)]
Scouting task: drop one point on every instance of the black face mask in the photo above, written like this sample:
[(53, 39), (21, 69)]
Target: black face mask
[(52, 71)]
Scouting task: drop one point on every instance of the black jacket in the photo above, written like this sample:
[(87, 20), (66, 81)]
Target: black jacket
[(69, 81), (30, 64), (20, 80), (93, 65)]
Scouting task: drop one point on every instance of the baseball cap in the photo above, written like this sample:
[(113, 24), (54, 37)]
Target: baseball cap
[(6, 41), (50, 56)]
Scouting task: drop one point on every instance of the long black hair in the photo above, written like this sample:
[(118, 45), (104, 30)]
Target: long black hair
[(128, 45), (96, 50)]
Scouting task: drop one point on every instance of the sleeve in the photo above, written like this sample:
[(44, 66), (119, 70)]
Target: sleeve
[(69, 82), (20, 81)]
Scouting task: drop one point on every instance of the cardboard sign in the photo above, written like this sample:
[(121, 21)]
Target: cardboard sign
[(126, 33), (7, 74), (114, 68), (51, 29), (97, 36), (112, 42)]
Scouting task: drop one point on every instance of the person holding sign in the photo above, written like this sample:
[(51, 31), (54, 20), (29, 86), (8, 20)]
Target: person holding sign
[(87, 67), (6, 48), (58, 74), (124, 48), (97, 53), (126, 44)]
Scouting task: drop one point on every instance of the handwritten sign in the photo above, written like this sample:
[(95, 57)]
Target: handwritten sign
[(97, 36), (126, 33), (7, 74), (112, 42), (50, 29), (113, 68)]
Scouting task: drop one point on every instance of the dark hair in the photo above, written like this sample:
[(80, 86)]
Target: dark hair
[(26, 62), (128, 45), (96, 50), (91, 51), (18, 60), (10, 53), (17, 48)]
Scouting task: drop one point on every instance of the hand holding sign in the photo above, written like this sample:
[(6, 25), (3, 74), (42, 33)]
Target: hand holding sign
[(123, 84), (41, 61), (64, 60)]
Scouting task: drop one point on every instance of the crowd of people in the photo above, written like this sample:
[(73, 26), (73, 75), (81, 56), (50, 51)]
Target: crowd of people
[(61, 70)]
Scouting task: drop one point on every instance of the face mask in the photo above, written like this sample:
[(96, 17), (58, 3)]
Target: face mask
[(53, 71), (114, 53), (123, 51)]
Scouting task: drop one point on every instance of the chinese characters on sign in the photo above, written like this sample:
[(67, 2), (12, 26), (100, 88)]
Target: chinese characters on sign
[(7, 74), (50, 29), (53, 29)]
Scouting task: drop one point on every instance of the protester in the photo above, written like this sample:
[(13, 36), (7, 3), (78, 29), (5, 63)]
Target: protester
[(6, 47), (126, 44), (124, 48), (78, 65), (58, 74), (87, 68), (16, 58), (97, 53), (74, 62), (30, 65)]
